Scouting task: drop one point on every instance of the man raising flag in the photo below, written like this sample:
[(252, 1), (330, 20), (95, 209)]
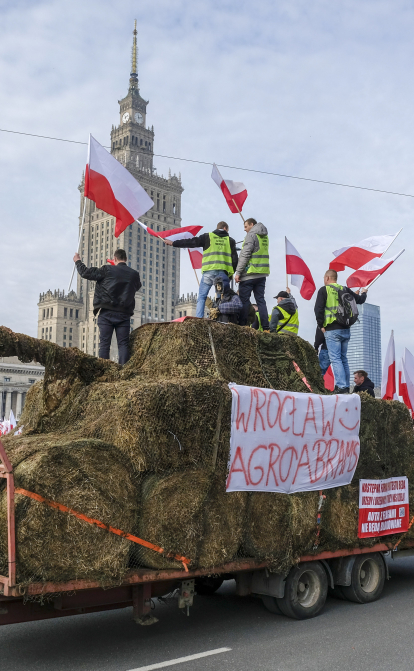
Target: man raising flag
[(219, 259)]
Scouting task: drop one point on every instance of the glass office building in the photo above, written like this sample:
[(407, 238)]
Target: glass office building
[(364, 350)]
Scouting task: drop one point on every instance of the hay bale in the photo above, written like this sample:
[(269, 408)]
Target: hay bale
[(387, 440), (280, 527), (171, 516), (223, 526), (87, 476), (159, 426)]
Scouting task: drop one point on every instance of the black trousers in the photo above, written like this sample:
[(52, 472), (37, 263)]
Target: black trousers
[(109, 321), (258, 286)]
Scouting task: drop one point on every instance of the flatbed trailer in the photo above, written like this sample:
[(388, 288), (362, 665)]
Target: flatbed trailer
[(356, 574)]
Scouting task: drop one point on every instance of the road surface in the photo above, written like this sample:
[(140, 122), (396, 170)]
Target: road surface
[(346, 636)]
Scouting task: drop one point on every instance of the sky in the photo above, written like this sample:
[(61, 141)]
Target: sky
[(319, 90)]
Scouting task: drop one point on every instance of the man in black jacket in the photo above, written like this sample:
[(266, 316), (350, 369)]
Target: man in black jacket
[(114, 299), (363, 383), (219, 259)]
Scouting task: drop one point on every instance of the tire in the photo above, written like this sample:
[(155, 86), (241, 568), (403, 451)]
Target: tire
[(306, 590), (367, 579), (270, 603), (208, 584)]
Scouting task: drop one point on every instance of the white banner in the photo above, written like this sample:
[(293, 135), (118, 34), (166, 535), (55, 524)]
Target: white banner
[(284, 441)]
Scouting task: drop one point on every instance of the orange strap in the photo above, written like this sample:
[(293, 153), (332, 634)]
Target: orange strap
[(304, 380), (113, 530), (406, 532)]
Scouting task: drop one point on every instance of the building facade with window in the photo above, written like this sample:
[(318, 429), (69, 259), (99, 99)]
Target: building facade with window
[(132, 144), (364, 349), (16, 378), (186, 306)]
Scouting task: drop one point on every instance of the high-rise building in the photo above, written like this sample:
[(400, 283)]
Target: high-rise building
[(132, 144), (364, 350)]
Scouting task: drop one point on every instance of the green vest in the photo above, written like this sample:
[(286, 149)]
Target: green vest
[(332, 303), (260, 322), (218, 255), (259, 262), (292, 327)]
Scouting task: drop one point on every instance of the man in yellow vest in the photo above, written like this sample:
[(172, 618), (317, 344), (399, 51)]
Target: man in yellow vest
[(335, 322), (252, 270), (219, 260), (285, 316)]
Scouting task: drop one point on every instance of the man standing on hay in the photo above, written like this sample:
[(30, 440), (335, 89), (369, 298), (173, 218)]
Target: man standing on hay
[(219, 260), (336, 311), (252, 269), (114, 300)]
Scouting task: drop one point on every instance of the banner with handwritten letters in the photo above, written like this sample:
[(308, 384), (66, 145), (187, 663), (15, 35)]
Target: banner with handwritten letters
[(383, 507), (284, 441)]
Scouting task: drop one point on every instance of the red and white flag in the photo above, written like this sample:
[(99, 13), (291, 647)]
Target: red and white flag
[(388, 386), (235, 193), (113, 188), (358, 254), (184, 233), (365, 275), (407, 378), (329, 379), (402, 385), (300, 274)]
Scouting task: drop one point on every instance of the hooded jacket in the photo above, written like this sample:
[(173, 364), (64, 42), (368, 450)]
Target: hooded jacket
[(287, 304), (367, 385), (250, 246)]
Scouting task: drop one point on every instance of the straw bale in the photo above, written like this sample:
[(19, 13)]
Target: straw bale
[(224, 523), (87, 476), (171, 516), (280, 527)]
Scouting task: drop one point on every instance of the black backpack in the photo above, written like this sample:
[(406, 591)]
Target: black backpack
[(347, 310)]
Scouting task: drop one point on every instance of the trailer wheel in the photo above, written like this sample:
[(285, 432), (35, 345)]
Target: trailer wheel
[(367, 579), (270, 603), (208, 584), (306, 590)]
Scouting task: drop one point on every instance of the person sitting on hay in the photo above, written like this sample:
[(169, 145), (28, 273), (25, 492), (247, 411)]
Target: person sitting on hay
[(226, 306)]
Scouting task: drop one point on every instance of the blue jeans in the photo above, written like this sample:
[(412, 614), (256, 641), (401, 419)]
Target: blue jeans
[(337, 343), (324, 360), (207, 280), (109, 321), (258, 286)]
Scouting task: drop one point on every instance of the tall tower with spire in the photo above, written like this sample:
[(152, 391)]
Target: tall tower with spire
[(132, 144)]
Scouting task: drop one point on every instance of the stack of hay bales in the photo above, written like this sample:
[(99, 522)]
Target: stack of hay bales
[(145, 448)]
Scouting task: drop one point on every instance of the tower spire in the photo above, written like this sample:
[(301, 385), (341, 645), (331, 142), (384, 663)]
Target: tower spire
[(133, 80)]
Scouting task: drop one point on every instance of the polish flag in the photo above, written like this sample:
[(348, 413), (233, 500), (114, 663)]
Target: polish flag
[(12, 421), (300, 274), (402, 386), (110, 261), (365, 275), (113, 188), (329, 379), (407, 376), (360, 253), (388, 386), (183, 233), (235, 193)]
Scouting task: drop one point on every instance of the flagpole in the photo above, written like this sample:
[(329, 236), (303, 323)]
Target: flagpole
[(375, 279), (195, 272), (235, 205), (79, 241)]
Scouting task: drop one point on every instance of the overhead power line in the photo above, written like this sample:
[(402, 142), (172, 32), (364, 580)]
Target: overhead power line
[(231, 167)]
